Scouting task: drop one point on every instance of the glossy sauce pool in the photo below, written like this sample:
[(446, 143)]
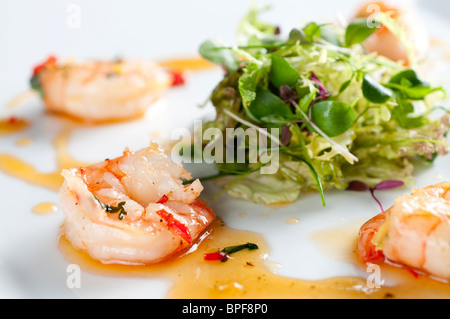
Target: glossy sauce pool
[(247, 274)]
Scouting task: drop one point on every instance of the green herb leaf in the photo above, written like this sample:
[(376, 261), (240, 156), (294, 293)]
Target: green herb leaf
[(306, 101), (358, 31), (113, 209), (333, 117), (411, 86), (409, 75), (401, 113), (232, 249), (267, 105), (254, 74), (296, 35), (35, 84), (312, 31), (282, 72), (374, 91), (212, 50)]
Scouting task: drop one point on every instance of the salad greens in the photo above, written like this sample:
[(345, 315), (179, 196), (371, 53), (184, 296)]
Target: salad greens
[(343, 115)]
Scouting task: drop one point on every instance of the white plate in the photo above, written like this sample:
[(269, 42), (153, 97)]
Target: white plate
[(31, 266)]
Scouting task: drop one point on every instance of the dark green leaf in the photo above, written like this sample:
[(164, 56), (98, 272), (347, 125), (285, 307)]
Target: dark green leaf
[(333, 117), (409, 75), (282, 72), (232, 249), (35, 84), (113, 209), (267, 105), (358, 31), (374, 91), (418, 92), (411, 86)]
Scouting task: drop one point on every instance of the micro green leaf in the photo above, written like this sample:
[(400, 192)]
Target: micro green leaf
[(411, 86), (212, 50), (358, 31), (297, 35), (267, 105), (384, 185), (312, 31), (374, 91), (333, 117), (282, 72)]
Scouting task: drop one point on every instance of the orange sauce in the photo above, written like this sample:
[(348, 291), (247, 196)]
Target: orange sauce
[(20, 169), (187, 64), (24, 141), (17, 168), (45, 208), (13, 125), (248, 275)]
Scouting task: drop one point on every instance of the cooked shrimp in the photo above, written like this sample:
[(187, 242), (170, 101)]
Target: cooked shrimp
[(133, 209), (388, 44), (100, 91), (414, 232)]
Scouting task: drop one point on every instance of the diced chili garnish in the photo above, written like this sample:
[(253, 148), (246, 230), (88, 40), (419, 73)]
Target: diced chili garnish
[(177, 78), (163, 200), (175, 225), (12, 120), (412, 271), (218, 255), (51, 60)]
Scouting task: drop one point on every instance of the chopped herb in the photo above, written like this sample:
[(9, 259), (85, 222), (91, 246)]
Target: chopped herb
[(113, 209), (224, 253)]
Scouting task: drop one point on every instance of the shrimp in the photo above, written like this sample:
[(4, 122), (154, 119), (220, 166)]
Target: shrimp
[(99, 91), (133, 209), (414, 232), (388, 44)]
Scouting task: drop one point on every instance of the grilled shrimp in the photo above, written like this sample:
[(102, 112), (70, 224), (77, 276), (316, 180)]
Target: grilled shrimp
[(99, 91), (414, 232), (133, 209), (388, 44)]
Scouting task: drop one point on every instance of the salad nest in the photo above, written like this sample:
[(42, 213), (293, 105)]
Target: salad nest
[(343, 115)]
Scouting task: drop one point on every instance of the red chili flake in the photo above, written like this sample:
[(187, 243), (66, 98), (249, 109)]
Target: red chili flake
[(218, 255), (412, 271), (51, 60), (163, 199), (177, 78), (13, 120), (175, 225)]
